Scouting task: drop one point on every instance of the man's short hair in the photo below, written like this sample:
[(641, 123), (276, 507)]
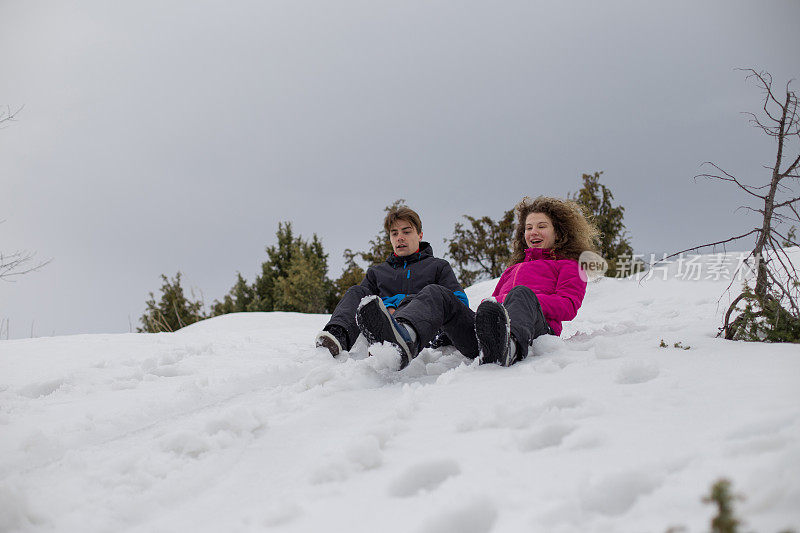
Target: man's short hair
[(402, 213)]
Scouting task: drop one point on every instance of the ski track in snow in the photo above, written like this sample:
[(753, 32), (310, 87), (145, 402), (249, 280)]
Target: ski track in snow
[(238, 424)]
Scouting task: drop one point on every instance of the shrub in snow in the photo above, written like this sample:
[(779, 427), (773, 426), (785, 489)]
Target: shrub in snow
[(173, 311), (720, 495), (766, 320)]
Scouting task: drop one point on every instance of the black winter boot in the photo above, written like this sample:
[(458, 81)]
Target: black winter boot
[(334, 338), (493, 330), (378, 325)]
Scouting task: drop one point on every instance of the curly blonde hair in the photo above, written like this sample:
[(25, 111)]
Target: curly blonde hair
[(574, 232)]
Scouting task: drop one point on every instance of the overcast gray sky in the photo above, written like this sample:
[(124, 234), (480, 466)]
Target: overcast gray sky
[(160, 136)]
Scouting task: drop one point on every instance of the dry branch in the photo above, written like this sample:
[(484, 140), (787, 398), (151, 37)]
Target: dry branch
[(776, 284)]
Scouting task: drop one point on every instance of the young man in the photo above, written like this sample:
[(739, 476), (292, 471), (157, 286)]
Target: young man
[(396, 281)]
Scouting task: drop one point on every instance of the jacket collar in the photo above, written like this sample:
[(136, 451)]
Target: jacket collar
[(532, 254), (424, 251)]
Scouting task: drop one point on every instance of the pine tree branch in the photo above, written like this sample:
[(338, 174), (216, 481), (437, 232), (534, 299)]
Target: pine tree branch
[(177, 315), (164, 323)]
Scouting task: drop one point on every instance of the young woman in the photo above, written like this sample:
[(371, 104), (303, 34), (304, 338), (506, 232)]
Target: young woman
[(541, 288)]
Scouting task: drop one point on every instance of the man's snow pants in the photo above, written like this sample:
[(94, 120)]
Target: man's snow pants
[(436, 308), (345, 313)]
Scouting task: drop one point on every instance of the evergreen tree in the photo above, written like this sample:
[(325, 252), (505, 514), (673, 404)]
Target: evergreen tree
[(294, 277), (596, 199), (482, 249), (305, 287), (237, 300), (277, 266), (173, 311), (352, 274)]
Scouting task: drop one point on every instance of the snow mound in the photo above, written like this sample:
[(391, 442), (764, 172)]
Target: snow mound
[(238, 423)]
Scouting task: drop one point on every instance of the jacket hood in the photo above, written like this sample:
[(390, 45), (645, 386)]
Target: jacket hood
[(425, 250)]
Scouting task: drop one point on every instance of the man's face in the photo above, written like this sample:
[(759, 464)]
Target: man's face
[(404, 237)]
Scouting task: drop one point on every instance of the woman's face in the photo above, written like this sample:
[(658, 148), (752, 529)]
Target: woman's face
[(539, 231)]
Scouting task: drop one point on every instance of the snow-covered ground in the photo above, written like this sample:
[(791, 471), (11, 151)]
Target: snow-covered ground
[(239, 424)]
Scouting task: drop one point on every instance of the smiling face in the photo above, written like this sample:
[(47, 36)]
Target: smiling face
[(539, 231), (404, 237)]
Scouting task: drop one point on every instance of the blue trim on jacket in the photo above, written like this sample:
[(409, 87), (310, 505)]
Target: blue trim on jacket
[(462, 296)]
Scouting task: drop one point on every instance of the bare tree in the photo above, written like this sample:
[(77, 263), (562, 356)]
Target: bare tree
[(18, 263), (777, 287), (7, 115)]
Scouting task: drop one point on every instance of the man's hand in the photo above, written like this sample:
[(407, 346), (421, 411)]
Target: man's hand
[(391, 310)]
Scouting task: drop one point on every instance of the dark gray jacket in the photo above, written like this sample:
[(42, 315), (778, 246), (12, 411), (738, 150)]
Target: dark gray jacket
[(399, 278)]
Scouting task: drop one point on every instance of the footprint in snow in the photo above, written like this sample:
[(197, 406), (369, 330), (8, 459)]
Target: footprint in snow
[(39, 390), (614, 494), (362, 454), (546, 437), (226, 428), (524, 416), (637, 372), (763, 436), (281, 513), (476, 515), (568, 401), (760, 428), (607, 349), (168, 371), (423, 477)]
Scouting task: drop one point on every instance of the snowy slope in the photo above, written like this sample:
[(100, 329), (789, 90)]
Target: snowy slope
[(238, 424)]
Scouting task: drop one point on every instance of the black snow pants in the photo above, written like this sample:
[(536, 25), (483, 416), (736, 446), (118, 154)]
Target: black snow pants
[(345, 313), (435, 308)]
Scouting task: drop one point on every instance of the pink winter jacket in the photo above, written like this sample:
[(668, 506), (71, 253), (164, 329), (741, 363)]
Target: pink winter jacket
[(556, 282)]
